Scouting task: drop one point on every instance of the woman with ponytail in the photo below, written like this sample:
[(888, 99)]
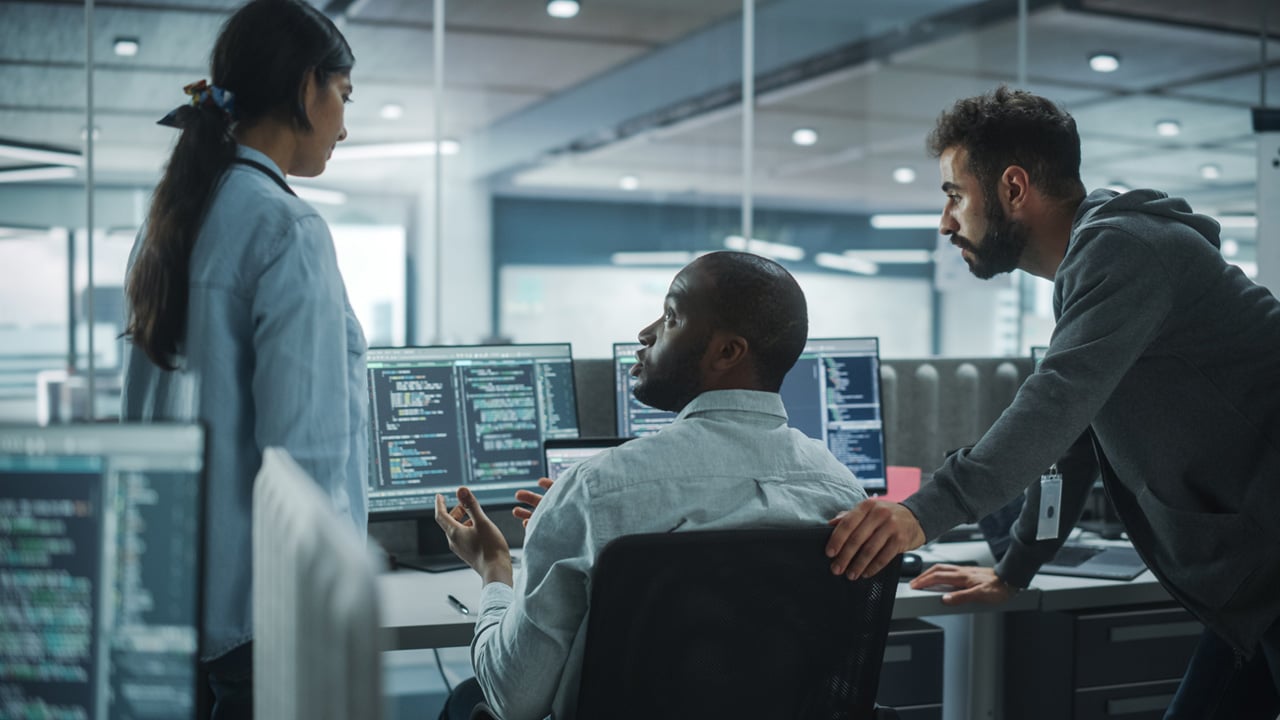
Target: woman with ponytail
[(238, 316)]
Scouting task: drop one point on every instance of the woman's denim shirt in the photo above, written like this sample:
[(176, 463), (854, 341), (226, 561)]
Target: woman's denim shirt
[(273, 357)]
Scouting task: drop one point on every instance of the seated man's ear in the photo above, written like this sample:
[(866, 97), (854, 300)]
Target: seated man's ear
[(727, 351)]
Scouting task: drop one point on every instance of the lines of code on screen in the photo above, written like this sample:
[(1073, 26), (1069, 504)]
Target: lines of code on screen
[(50, 530), (442, 423)]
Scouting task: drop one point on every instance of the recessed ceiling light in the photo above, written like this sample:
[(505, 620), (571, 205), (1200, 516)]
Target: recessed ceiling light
[(40, 153), (1104, 62), (804, 136), (563, 8), (39, 172), (1210, 171), (1168, 128), (391, 111), (126, 46), (97, 133), (904, 175), (1230, 248), (628, 182), (905, 221)]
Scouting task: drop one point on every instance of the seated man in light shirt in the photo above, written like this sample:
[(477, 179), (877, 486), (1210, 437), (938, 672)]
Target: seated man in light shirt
[(732, 325)]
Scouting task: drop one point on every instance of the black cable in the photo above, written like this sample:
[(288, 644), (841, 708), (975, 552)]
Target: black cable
[(440, 667)]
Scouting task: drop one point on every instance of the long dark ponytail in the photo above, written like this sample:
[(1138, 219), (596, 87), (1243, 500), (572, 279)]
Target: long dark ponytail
[(262, 56)]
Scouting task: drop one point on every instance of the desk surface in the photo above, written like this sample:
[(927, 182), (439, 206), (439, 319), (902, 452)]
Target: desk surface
[(416, 612)]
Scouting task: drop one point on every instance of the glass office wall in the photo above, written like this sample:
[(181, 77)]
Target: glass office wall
[(584, 159)]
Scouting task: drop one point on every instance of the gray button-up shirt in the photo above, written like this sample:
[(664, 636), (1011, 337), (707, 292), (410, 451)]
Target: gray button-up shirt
[(728, 461), (273, 356)]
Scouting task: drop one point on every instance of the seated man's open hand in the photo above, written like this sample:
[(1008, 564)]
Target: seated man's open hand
[(474, 538), (529, 497)]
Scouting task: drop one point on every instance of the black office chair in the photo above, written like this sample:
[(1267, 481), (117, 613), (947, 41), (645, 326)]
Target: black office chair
[(733, 624)]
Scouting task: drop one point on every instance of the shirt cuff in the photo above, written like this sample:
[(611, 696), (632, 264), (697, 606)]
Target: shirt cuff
[(496, 597)]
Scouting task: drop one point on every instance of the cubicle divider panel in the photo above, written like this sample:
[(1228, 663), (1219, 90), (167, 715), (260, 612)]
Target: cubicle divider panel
[(597, 407), (935, 405)]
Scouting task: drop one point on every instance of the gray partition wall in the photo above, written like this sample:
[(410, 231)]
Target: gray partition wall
[(935, 405)]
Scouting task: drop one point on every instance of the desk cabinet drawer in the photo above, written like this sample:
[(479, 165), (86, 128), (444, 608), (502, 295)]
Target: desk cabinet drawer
[(1117, 648), (1143, 701), (912, 670), (1118, 663)]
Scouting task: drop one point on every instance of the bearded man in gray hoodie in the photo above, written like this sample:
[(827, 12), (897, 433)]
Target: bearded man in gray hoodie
[(1169, 355)]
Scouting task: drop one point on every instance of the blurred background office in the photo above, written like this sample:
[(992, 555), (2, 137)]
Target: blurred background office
[(537, 171)]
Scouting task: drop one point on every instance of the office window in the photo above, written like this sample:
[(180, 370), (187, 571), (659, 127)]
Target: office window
[(33, 315)]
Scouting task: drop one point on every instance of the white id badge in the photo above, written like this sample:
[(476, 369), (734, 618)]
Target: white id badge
[(1050, 499)]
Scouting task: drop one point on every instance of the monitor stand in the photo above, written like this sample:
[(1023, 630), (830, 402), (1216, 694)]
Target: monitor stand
[(432, 553)]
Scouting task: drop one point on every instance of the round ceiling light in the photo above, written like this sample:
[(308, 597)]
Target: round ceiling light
[(1104, 62), (804, 136), (563, 8)]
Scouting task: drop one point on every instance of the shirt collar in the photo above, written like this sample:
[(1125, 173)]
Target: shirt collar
[(248, 153), (767, 403)]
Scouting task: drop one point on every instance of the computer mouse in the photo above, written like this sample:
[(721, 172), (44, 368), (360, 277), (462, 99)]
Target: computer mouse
[(912, 564)]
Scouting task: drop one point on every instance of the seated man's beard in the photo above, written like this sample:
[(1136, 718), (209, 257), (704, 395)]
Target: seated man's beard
[(678, 382)]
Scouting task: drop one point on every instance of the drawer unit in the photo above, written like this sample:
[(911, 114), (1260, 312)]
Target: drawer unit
[(911, 676), (1131, 646), (1140, 701), (1122, 663)]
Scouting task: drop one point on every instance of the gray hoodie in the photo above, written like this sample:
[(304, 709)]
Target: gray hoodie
[(1173, 357)]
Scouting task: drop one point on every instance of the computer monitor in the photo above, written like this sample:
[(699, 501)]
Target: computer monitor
[(635, 419), (831, 394), (100, 571), (448, 416)]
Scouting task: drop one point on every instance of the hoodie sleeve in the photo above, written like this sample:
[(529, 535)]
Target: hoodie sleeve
[(1115, 296), (1079, 468)]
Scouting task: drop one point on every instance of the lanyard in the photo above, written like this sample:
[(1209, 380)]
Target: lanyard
[(267, 171)]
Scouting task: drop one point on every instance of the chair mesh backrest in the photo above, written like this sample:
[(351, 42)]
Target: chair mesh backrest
[(732, 623)]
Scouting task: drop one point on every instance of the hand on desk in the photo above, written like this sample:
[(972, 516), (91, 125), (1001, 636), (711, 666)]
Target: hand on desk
[(968, 584), (474, 538), (867, 537), (530, 497)]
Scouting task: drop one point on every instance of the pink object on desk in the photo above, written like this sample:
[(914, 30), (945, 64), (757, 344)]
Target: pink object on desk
[(902, 481)]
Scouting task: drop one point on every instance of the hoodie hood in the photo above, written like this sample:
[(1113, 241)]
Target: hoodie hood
[(1100, 205)]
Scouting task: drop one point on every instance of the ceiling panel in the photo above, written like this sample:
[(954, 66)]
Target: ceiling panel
[(482, 60), (623, 21), (1244, 16), (507, 57), (1135, 117), (1243, 89), (1060, 42), (892, 92)]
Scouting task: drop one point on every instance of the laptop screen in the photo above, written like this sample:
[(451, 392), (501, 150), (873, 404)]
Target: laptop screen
[(100, 571), (563, 454)]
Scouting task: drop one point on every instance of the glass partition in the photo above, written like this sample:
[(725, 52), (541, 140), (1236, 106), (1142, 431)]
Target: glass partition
[(584, 158)]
